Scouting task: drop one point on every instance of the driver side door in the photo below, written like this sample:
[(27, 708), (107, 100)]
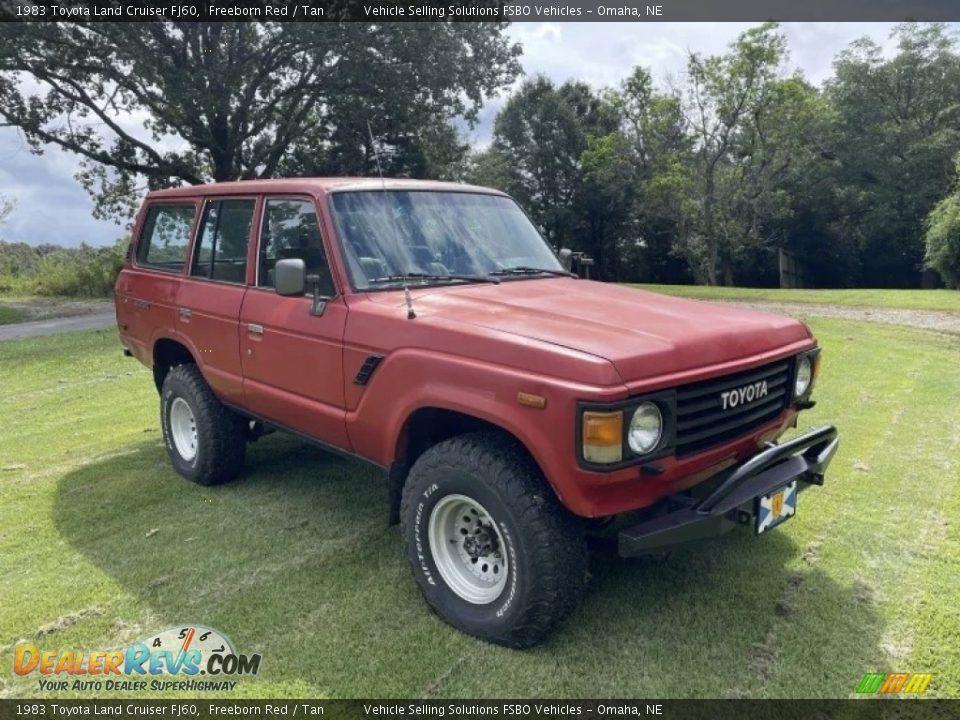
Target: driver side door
[(292, 360)]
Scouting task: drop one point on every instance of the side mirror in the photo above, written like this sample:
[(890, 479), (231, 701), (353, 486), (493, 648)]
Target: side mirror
[(290, 277)]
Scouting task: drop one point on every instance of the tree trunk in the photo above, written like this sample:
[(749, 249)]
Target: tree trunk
[(727, 274), (708, 227)]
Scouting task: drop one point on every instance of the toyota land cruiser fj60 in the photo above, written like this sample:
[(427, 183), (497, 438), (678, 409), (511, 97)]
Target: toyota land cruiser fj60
[(516, 410)]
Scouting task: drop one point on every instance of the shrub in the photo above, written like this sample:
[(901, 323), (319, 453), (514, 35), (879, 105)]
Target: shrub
[(55, 271), (943, 239), (943, 236), (86, 272)]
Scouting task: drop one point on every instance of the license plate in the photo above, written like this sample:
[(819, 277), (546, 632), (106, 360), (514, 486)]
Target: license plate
[(776, 507)]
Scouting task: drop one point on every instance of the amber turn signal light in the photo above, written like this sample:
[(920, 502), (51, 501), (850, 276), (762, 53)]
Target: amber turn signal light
[(603, 437), (530, 400)]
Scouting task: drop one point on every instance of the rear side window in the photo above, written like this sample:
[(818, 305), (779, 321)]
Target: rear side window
[(222, 243), (290, 230), (166, 237)]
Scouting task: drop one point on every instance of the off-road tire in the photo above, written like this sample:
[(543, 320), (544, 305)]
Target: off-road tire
[(547, 574), (221, 433)]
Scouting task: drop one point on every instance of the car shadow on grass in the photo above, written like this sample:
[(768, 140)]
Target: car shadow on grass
[(295, 561), (737, 616)]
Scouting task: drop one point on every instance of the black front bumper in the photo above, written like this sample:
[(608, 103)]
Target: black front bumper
[(732, 503)]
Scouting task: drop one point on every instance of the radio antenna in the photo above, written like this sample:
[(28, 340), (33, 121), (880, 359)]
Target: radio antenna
[(376, 156), (411, 313)]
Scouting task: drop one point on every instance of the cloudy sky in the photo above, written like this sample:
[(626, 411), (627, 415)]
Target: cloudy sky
[(53, 208)]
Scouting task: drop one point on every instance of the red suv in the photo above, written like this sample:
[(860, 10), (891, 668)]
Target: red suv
[(428, 329)]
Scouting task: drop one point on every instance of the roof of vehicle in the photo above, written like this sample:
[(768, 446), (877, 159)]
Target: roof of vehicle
[(316, 184)]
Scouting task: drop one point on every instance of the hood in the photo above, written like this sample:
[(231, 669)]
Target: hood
[(643, 334)]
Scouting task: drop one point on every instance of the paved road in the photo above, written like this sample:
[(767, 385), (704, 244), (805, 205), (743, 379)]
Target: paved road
[(57, 325)]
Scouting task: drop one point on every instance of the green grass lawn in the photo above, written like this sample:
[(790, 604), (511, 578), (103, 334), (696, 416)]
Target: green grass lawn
[(101, 543), (944, 300), (10, 315)]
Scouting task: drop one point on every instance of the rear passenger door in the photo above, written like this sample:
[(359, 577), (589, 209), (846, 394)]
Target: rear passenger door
[(292, 360), (211, 295), (147, 290)]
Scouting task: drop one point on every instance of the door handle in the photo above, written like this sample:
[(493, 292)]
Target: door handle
[(255, 329), (185, 312), (141, 304)]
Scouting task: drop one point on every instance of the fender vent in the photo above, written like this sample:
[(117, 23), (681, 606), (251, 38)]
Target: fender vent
[(366, 370)]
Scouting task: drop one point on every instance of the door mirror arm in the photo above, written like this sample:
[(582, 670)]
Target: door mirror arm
[(319, 304)]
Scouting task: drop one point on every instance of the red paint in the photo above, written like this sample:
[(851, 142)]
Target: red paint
[(471, 348)]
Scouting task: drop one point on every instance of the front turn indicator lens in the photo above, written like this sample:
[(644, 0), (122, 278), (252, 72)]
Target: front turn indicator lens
[(603, 437)]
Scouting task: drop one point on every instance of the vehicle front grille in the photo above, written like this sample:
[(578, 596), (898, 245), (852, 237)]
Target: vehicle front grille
[(702, 420)]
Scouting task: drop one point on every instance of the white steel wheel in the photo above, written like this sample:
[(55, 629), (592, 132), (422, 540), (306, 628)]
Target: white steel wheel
[(468, 549), (183, 429)]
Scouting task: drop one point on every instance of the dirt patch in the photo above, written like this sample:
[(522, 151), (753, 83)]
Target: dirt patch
[(785, 605), (862, 593), (123, 633), (763, 658), (38, 308), (812, 553), (65, 621), (157, 583), (763, 655), (438, 684), (924, 319)]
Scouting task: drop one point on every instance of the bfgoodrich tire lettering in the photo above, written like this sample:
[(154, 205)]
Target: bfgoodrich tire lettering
[(542, 544), (220, 437)]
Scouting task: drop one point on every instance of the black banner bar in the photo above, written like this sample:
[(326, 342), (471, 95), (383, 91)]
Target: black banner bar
[(481, 10)]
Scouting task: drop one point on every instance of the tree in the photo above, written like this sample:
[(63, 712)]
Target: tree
[(488, 168), (606, 198), (776, 158), (943, 235), (6, 208), (538, 138), (659, 179), (537, 155), (226, 101), (897, 129), (729, 98)]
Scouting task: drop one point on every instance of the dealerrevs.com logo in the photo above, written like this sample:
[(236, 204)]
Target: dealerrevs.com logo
[(189, 658)]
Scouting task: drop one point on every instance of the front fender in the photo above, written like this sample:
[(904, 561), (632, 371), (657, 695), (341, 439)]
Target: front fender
[(409, 380)]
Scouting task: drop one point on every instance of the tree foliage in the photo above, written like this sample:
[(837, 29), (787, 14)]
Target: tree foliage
[(6, 208), (896, 131), (57, 271), (709, 180), (172, 103), (735, 107), (943, 236)]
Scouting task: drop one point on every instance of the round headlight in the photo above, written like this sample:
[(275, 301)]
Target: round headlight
[(804, 376), (646, 427)]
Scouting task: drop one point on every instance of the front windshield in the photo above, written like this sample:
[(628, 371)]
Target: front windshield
[(386, 235)]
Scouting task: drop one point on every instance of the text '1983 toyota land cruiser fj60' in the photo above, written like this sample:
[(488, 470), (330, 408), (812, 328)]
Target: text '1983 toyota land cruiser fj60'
[(427, 328)]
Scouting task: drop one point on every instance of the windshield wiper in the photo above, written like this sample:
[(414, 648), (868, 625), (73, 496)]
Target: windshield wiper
[(527, 270), (430, 276)]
